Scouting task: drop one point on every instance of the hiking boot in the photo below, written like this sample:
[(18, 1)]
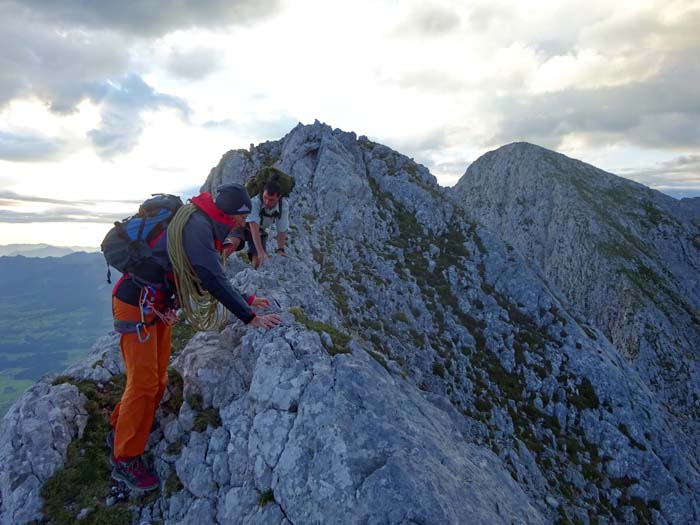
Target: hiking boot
[(134, 473)]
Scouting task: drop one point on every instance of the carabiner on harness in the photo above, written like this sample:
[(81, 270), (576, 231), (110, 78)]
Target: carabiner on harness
[(139, 328)]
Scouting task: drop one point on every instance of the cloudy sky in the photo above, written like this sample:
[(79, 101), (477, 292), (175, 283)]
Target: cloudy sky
[(103, 103)]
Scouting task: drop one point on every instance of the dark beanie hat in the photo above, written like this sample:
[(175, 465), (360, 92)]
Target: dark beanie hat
[(232, 199)]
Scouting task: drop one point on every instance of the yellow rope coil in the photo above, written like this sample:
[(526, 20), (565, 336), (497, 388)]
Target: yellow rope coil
[(202, 311)]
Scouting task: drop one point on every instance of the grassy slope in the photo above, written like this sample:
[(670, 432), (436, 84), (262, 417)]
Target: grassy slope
[(51, 311)]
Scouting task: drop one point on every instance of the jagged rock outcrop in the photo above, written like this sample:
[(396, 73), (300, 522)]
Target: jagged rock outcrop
[(626, 257), (36, 435), (424, 373)]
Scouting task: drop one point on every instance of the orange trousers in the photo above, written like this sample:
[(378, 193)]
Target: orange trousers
[(146, 378)]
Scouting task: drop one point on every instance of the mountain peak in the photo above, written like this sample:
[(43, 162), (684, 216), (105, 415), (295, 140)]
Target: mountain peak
[(428, 369)]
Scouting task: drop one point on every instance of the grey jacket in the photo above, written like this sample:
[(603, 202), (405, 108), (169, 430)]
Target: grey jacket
[(199, 236)]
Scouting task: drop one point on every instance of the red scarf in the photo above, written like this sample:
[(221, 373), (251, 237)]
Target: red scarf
[(205, 202)]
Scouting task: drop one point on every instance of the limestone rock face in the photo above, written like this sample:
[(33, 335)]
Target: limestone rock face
[(335, 440), (626, 258), (425, 372), (34, 439)]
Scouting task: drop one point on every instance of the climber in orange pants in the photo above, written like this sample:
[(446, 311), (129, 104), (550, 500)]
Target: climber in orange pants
[(144, 306), (146, 366)]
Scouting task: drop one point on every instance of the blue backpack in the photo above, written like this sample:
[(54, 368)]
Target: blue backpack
[(128, 246)]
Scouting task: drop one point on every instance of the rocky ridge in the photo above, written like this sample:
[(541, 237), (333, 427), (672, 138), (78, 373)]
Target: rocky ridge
[(424, 373)]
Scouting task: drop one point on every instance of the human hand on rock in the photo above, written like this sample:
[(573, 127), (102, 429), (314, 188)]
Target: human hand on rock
[(266, 321), (261, 302)]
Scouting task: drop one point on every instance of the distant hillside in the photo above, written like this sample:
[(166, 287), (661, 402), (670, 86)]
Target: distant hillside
[(42, 250), (51, 311)]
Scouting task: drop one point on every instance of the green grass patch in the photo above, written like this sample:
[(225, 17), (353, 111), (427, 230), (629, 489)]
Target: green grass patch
[(206, 418), (654, 214), (400, 316), (339, 295), (84, 481), (379, 359), (175, 387), (173, 484), (265, 498), (11, 390), (483, 405), (196, 401), (181, 335), (174, 449), (340, 339), (586, 397), (636, 444), (623, 482), (695, 240), (620, 250)]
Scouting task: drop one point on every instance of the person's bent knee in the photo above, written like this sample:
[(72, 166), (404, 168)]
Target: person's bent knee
[(148, 388)]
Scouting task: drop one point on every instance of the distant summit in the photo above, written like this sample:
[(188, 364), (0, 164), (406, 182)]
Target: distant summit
[(625, 256), (42, 250)]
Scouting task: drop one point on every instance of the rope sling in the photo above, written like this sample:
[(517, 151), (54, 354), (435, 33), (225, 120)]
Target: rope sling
[(202, 311)]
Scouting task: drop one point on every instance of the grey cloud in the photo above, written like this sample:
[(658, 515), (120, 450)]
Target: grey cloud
[(194, 64), (122, 104), (684, 160), (56, 66), (271, 129), (220, 124), (55, 49), (499, 25), (656, 178), (10, 198), (643, 30), (680, 175), (448, 173), (428, 20), (422, 148), (555, 46), (258, 129), (58, 214), (167, 168), (187, 191), (150, 18), (17, 199), (65, 51), (31, 146), (431, 80), (419, 145), (663, 111), (483, 16)]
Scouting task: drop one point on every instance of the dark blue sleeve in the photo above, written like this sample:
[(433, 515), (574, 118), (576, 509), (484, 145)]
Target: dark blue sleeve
[(198, 239)]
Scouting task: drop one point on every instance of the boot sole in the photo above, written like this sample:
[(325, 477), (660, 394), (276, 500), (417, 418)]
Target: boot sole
[(130, 485)]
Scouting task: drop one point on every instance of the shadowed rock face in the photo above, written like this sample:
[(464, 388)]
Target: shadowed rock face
[(424, 373), (627, 258)]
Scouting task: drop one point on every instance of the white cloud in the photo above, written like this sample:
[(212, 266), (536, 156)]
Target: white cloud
[(194, 64), (121, 100)]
